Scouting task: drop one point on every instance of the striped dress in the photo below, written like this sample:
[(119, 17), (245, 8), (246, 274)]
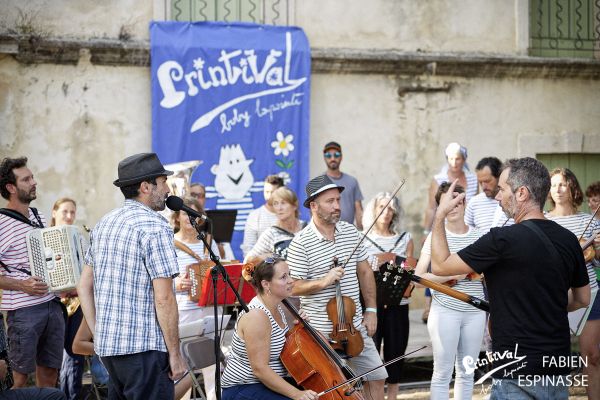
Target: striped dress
[(458, 242), (238, 370), (390, 244), (576, 223)]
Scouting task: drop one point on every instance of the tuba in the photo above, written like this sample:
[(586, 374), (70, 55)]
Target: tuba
[(179, 182)]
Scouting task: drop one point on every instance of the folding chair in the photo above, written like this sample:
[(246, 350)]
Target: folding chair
[(97, 390), (198, 352)]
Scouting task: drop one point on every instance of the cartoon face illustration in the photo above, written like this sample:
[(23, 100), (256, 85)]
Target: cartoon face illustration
[(233, 177)]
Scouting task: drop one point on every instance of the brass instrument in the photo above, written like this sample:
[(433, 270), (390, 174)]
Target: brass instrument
[(71, 303), (179, 182)]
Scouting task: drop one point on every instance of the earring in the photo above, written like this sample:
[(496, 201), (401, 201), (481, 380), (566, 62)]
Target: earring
[(269, 291)]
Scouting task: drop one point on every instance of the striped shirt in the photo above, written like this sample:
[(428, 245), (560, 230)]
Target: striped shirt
[(576, 223), (258, 221), (458, 242), (267, 240), (472, 184), (13, 253), (480, 212), (388, 244), (183, 260), (129, 248), (310, 256), (238, 370), (500, 219)]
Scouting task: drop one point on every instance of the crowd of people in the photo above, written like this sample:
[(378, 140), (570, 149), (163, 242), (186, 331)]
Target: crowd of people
[(486, 234)]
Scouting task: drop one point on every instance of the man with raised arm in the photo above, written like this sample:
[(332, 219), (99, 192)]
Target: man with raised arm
[(529, 268)]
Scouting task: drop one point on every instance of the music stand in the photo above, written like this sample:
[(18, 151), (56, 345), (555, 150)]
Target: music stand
[(223, 223)]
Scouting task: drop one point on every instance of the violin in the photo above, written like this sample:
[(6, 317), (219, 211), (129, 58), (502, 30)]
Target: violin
[(341, 310), (314, 364), (589, 253)]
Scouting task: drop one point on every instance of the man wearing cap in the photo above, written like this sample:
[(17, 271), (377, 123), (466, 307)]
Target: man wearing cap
[(311, 260), (352, 196), (126, 287), (36, 326)]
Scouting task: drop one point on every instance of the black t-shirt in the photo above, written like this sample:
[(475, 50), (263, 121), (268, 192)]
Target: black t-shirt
[(528, 294)]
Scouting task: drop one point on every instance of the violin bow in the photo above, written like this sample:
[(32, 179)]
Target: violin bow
[(369, 371), (364, 235), (589, 222)]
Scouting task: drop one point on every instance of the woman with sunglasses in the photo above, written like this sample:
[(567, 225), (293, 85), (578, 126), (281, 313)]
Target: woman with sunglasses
[(254, 370), (455, 328), (565, 198)]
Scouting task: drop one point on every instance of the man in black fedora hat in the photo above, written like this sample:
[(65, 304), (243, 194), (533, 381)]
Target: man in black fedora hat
[(311, 257), (126, 287)]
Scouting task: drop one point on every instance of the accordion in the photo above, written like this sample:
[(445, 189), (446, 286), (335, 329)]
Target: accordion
[(56, 256)]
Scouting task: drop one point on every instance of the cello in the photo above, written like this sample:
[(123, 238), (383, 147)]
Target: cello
[(314, 364)]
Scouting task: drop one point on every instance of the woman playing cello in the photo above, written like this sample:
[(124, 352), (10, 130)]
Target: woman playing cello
[(254, 370)]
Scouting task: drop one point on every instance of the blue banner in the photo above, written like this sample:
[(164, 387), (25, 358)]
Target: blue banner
[(236, 98)]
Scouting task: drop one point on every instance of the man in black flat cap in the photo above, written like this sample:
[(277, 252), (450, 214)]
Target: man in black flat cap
[(126, 287), (351, 201), (311, 257)]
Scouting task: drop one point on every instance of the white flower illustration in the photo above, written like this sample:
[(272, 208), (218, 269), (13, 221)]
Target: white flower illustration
[(283, 145), (199, 63)]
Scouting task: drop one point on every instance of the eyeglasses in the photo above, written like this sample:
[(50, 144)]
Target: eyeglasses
[(337, 154), (198, 195)]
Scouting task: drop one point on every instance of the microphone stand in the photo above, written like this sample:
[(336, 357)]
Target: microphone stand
[(215, 271)]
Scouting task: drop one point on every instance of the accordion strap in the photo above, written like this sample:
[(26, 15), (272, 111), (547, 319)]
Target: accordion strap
[(183, 247), (21, 218)]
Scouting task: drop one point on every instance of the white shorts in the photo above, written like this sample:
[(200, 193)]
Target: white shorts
[(368, 359)]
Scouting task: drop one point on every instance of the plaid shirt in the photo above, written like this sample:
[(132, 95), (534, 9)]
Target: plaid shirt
[(129, 247)]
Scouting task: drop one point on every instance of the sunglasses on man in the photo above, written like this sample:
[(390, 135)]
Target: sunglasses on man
[(337, 154)]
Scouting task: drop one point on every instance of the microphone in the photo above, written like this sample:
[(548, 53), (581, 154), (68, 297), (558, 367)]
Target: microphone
[(176, 204)]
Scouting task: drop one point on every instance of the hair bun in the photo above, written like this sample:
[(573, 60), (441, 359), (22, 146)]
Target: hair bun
[(248, 271)]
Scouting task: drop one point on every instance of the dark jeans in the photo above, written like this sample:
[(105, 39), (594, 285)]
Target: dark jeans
[(256, 391), (33, 393), (71, 372), (140, 376)]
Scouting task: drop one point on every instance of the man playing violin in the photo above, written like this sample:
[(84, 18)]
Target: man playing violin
[(529, 268), (311, 260)]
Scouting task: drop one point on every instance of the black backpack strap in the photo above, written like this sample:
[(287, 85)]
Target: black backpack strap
[(545, 239)]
